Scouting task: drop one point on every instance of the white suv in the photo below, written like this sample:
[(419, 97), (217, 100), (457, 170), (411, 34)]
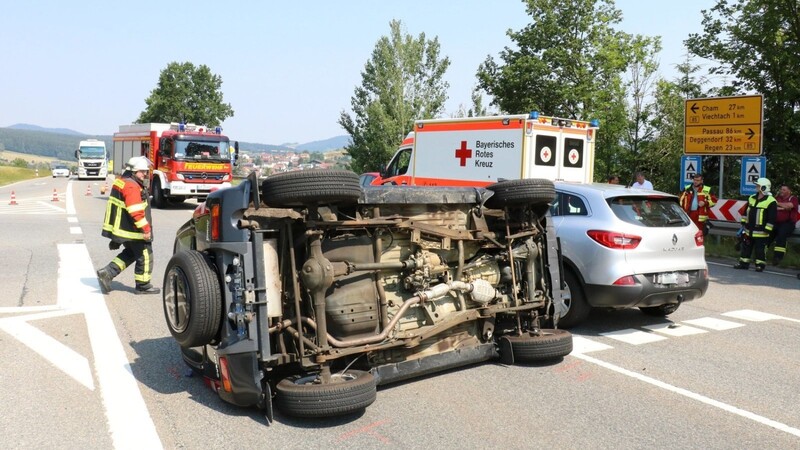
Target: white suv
[(626, 247)]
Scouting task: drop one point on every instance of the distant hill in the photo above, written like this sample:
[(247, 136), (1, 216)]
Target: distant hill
[(334, 143), (61, 143), (26, 126)]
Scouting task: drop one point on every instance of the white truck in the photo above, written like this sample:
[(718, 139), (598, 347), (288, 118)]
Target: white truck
[(92, 159), (478, 151)]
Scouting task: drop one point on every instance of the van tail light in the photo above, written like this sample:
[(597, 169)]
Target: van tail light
[(612, 239), (224, 374), (215, 222), (627, 280), (699, 240)]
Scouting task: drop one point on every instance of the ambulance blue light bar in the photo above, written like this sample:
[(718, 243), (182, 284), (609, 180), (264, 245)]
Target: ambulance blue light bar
[(534, 115)]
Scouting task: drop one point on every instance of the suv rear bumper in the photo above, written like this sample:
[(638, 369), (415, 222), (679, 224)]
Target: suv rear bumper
[(645, 293)]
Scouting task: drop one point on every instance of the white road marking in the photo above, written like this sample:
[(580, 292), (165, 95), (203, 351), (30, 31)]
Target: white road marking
[(694, 396), (782, 274), (582, 344), (70, 203), (634, 337), (75, 230), (753, 316), (26, 309), (52, 206), (129, 421), (714, 324), (674, 329), (61, 356), (72, 219)]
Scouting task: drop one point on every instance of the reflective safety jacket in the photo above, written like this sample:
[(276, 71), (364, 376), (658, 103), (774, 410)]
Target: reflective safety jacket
[(127, 211), (758, 216), (705, 195)]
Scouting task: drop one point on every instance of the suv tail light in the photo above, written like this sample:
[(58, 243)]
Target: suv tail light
[(215, 222), (225, 374), (627, 280), (699, 239), (612, 239)]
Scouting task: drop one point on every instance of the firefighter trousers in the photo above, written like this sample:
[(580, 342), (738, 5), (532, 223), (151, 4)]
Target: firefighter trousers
[(780, 234), (757, 245), (140, 252)]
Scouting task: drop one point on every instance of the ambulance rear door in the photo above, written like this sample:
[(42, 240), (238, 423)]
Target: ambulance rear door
[(559, 149)]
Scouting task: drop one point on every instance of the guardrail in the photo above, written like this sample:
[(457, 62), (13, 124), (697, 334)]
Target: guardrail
[(725, 228)]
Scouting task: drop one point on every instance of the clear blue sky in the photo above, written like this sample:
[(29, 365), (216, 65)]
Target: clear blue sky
[(288, 68)]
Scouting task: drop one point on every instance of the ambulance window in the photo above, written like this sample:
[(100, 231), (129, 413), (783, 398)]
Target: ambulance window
[(399, 165)]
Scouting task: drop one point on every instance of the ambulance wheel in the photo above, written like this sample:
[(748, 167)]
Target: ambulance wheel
[(192, 299), (159, 200), (527, 191), (311, 187)]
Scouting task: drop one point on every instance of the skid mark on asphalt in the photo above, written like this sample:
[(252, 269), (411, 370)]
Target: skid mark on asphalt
[(583, 345)]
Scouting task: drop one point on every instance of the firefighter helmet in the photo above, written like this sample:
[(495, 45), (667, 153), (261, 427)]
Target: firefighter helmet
[(764, 185), (138, 163)]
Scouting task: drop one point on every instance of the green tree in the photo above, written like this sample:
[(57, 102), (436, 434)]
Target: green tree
[(189, 94), (570, 62), (402, 82), (757, 42)]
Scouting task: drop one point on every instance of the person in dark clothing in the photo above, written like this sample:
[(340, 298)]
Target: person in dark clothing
[(758, 219), (127, 223), (784, 222)]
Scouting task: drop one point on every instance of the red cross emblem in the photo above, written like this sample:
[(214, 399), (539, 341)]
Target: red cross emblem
[(463, 153), (573, 156)]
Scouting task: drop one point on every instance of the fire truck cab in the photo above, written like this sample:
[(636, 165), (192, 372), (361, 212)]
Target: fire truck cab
[(478, 151), (189, 161)]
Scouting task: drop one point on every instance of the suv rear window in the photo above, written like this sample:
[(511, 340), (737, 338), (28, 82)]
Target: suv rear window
[(649, 211)]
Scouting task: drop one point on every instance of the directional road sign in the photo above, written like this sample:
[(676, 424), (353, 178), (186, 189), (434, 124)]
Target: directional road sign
[(690, 165), (753, 168), (723, 125)]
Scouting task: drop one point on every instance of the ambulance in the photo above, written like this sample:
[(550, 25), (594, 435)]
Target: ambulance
[(478, 151)]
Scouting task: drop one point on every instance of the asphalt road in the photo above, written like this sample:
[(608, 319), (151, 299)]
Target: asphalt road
[(79, 369)]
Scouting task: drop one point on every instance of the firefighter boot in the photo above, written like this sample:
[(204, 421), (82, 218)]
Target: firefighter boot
[(148, 288), (760, 267), (741, 265), (104, 277)]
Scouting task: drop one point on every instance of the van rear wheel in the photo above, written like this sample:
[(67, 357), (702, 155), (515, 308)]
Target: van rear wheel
[(311, 187), (527, 191), (306, 396), (546, 345)]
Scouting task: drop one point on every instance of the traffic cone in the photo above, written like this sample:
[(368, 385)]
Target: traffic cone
[(13, 199), (104, 188), (55, 196), (88, 190)]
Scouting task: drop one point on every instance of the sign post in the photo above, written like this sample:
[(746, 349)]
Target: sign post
[(723, 125)]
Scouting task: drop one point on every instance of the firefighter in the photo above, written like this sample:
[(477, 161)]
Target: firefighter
[(758, 219), (127, 223), (697, 200)]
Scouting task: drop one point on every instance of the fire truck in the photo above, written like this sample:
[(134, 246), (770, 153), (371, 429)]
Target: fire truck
[(189, 161), (478, 151)]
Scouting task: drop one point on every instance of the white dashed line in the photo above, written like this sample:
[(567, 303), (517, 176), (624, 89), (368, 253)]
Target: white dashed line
[(714, 324), (633, 336), (674, 329)]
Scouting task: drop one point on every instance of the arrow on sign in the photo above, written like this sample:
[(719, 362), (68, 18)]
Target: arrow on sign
[(750, 133), (694, 108)]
